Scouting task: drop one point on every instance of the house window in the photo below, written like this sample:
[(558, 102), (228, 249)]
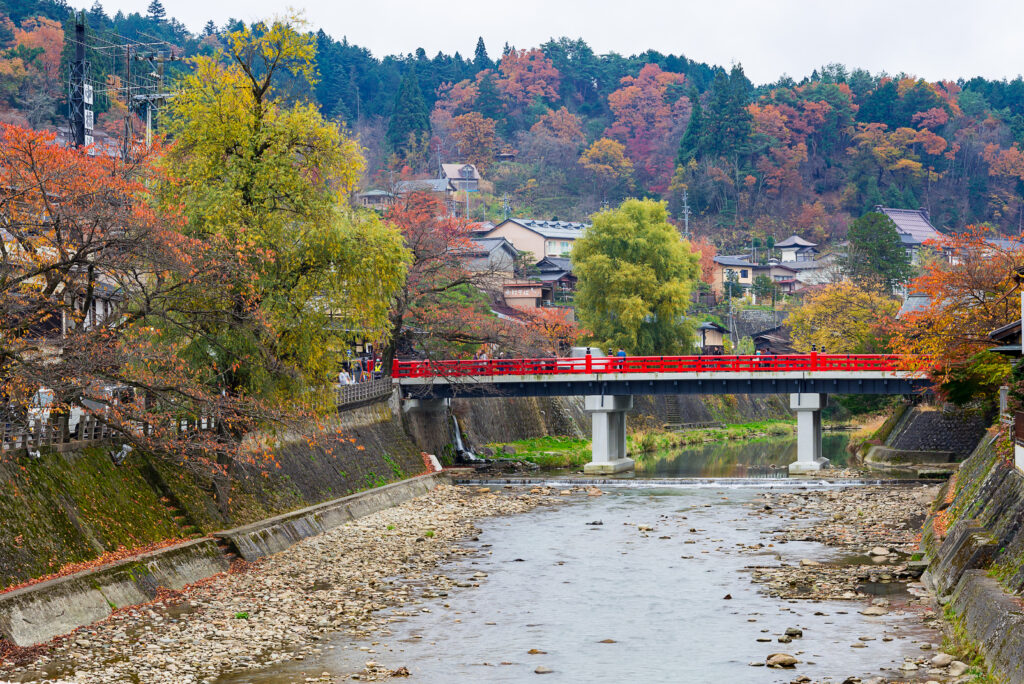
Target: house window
[(565, 247), (744, 273)]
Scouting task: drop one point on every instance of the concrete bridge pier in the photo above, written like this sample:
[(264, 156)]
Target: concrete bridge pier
[(808, 432), (609, 445)]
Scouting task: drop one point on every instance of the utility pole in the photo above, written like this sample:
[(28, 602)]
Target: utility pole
[(80, 96), (686, 214), (151, 100)]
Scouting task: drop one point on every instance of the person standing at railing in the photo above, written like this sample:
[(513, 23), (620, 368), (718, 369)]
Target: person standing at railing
[(344, 378), (620, 362)]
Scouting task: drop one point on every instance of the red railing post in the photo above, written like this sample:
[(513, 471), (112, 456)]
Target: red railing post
[(589, 364), (814, 360)]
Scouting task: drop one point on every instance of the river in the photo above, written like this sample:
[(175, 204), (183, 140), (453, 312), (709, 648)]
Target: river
[(609, 602)]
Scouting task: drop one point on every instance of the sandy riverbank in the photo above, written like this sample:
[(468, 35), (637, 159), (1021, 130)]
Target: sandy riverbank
[(282, 607)]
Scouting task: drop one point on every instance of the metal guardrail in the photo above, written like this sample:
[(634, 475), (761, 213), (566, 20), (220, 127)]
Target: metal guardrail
[(363, 391), (54, 433)]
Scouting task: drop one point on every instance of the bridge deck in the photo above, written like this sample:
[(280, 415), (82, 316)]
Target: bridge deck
[(822, 373)]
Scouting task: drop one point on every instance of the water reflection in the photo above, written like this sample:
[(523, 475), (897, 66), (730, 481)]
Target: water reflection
[(767, 458)]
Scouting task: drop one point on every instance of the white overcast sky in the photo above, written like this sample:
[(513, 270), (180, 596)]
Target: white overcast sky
[(937, 39)]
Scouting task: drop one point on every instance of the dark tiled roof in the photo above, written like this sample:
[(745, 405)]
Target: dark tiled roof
[(425, 185), (795, 241), (912, 222), (490, 244), (914, 303), (738, 260), (555, 263)]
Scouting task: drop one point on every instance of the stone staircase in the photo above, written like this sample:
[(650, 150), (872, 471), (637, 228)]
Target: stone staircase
[(673, 415)]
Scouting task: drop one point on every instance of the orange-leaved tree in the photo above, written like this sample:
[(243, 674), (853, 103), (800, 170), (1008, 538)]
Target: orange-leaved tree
[(551, 330), (92, 279), (443, 308), (967, 294)]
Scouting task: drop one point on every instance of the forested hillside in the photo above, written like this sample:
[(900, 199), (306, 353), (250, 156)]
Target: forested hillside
[(575, 129)]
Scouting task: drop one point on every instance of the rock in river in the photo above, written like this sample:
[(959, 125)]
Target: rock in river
[(781, 660)]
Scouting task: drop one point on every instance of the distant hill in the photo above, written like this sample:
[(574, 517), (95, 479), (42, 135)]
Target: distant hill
[(576, 129)]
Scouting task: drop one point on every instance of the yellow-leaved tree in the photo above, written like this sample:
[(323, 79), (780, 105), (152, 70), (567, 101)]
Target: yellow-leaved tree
[(267, 179), (635, 276), (844, 318)]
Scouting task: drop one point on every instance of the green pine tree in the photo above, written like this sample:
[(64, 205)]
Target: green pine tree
[(876, 255), (488, 100), (480, 59), (410, 115), (689, 146), (156, 11), (729, 124)]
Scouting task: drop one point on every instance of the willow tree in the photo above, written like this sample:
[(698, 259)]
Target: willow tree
[(635, 274), (267, 179)]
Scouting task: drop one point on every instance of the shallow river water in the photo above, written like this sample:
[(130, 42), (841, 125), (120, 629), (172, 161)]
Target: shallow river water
[(610, 603)]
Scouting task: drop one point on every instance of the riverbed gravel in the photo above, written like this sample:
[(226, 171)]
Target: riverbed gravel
[(875, 531), (283, 607)]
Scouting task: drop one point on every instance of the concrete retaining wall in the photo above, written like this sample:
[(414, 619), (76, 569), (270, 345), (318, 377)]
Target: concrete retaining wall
[(948, 429), (977, 566), (277, 534), (994, 620), (38, 613)]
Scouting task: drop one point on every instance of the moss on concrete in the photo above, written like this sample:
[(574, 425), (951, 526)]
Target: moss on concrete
[(66, 508)]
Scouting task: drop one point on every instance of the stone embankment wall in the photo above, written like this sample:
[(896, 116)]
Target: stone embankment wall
[(73, 507), (974, 541), (939, 429), (924, 435)]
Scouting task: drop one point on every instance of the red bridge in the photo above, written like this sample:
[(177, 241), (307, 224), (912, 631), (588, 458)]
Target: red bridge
[(822, 373), (609, 383)]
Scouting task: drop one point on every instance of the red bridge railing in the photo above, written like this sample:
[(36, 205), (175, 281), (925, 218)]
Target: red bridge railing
[(655, 364)]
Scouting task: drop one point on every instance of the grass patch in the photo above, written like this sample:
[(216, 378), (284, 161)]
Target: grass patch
[(429, 534), (552, 452), (242, 616), (570, 452), (642, 441), (957, 644)]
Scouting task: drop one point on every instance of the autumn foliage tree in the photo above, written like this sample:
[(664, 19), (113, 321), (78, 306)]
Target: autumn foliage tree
[(441, 308), (844, 318), (270, 179), (550, 331), (90, 273), (608, 165), (475, 137), (649, 110), (968, 295)]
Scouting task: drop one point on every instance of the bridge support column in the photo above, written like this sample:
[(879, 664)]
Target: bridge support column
[(609, 445), (808, 432)]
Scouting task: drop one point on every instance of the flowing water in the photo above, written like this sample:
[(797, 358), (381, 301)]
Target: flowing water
[(610, 603), (756, 458)]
